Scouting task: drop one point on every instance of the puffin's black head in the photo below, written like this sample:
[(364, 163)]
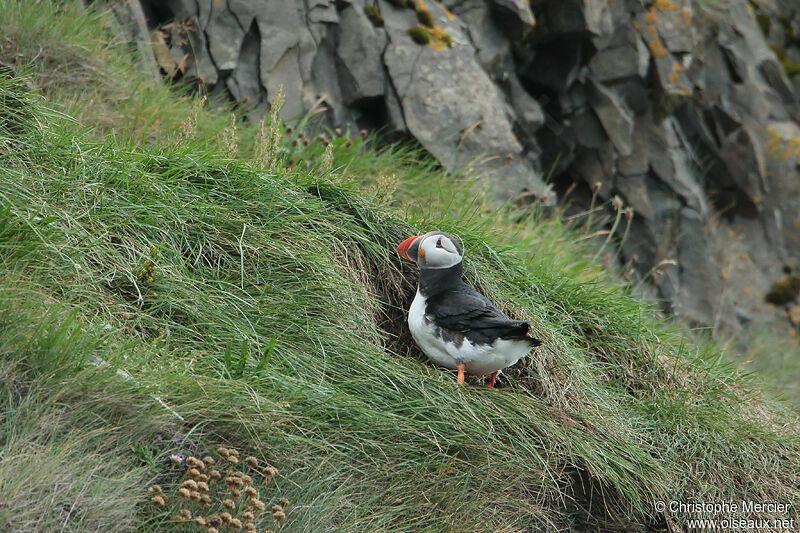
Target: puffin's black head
[(436, 249)]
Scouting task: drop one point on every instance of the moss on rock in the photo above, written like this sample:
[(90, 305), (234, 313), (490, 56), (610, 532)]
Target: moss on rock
[(784, 290), (374, 16), (419, 34)]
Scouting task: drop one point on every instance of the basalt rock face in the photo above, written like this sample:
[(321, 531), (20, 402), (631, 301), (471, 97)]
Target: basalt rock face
[(682, 111)]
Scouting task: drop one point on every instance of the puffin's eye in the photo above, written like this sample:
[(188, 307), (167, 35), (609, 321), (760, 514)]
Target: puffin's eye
[(439, 243)]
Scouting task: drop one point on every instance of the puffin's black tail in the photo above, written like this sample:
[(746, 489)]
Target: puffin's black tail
[(518, 330)]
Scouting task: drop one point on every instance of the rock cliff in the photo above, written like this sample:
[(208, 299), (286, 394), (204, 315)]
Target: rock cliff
[(685, 110)]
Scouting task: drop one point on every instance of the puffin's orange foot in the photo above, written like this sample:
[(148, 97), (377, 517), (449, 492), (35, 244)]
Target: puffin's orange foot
[(460, 374), (491, 379)]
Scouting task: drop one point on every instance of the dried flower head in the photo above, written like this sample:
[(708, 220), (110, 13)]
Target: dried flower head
[(212, 530), (629, 212), (247, 479), (215, 474), (284, 503), (225, 517), (184, 493), (201, 521), (202, 486), (251, 461), (279, 516), (223, 451), (185, 514), (155, 489), (236, 493), (251, 492), (205, 499), (235, 523), (233, 459), (257, 505), (228, 504), (159, 500), (195, 496), (190, 484), (277, 509), (617, 202), (247, 516), (363, 133), (193, 473), (203, 478), (249, 527), (596, 187)]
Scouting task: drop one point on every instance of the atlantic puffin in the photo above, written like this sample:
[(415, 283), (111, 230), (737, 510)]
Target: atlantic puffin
[(455, 325)]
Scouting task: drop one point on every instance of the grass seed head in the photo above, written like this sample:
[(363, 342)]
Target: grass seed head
[(277, 509), (223, 451), (225, 517), (235, 523), (215, 474), (201, 521), (279, 516), (184, 493), (236, 493), (190, 484), (159, 500), (155, 489), (248, 516), (193, 473), (251, 461), (205, 499), (185, 514), (229, 504), (208, 460), (251, 492), (202, 486), (195, 496)]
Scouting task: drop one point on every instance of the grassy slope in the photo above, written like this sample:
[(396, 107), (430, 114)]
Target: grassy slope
[(614, 412)]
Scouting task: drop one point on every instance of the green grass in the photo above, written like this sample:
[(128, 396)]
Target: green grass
[(273, 323)]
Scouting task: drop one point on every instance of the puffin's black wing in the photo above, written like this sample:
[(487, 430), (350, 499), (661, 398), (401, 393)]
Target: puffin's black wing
[(470, 313)]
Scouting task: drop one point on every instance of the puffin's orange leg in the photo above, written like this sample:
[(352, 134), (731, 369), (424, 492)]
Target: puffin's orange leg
[(491, 379), (460, 374)]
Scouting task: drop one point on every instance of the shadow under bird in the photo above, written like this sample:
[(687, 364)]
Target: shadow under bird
[(455, 325)]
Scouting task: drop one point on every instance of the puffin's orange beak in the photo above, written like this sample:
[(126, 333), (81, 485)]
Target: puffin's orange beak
[(402, 248)]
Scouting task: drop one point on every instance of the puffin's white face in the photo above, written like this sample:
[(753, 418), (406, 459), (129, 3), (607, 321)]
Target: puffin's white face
[(432, 250)]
